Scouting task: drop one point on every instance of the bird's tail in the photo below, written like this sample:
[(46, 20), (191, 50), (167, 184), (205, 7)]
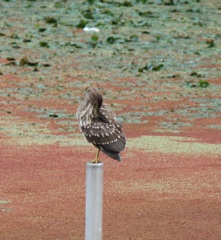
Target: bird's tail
[(114, 155)]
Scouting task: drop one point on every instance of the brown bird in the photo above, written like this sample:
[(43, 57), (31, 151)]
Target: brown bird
[(100, 126)]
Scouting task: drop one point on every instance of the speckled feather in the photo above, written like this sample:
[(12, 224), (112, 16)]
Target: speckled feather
[(102, 129)]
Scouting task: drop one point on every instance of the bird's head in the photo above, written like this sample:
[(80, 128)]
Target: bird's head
[(94, 98), (89, 107)]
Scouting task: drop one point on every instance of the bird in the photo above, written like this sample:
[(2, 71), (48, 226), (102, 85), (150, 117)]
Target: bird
[(100, 126)]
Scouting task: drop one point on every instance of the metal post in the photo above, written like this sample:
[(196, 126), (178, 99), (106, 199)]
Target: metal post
[(94, 201)]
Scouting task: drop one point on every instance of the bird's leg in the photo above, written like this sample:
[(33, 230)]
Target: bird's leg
[(96, 158)]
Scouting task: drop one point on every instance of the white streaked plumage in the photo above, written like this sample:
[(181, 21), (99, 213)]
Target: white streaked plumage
[(100, 126)]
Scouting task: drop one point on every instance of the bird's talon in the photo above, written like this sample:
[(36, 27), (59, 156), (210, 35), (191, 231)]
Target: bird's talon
[(95, 161)]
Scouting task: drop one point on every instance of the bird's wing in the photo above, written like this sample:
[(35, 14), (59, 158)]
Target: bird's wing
[(108, 116), (105, 135)]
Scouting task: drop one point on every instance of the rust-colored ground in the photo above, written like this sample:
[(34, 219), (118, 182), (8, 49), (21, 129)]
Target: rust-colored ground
[(168, 186)]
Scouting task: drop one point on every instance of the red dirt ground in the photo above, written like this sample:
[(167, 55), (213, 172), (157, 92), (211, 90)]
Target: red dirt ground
[(168, 186), (150, 195)]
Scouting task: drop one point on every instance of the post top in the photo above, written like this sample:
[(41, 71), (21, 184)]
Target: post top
[(90, 164)]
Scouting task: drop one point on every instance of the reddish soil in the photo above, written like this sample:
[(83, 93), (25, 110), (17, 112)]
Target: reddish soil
[(150, 195), (168, 186)]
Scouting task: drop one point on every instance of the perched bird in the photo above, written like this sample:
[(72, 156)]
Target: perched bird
[(100, 126)]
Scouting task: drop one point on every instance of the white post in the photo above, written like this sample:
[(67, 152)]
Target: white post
[(94, 201)]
